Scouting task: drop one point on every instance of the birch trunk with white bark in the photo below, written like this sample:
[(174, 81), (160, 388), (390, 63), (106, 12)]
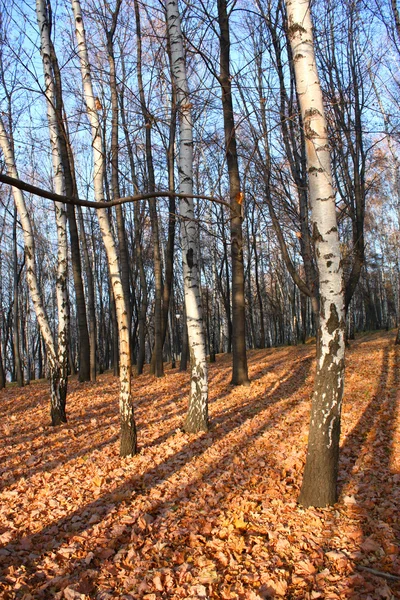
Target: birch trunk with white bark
[(320, 475), (58, 378), (56, 392), (197, 416), (128, 427)]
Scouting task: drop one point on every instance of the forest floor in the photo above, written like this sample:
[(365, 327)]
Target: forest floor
[(212, 515)]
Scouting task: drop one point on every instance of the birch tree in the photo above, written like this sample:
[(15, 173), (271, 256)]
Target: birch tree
[(320, 476), (55, 359), (197, 416), (60, 210), (128, 428)]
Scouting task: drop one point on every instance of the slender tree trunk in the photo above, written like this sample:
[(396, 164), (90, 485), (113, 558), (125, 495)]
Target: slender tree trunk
[(40, 355), (2, 374), (144, 298), (185, 344), (258, 288), (157, 367), (197, 415), (240, 371), (114, 328), (84, 339), (128, 427), (320, 476), (57, 383), (138, 243), (19, 375), (66, 158), (91, 306), (169, 253), (213, 350), (121, 232), (59, 374), (226, 296)]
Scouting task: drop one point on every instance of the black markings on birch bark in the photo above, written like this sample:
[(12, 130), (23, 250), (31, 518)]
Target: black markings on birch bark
[(319, 481), (197, 415), (127, 442)]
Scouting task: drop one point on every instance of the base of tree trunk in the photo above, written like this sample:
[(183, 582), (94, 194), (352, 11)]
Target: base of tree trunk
[(128, 439), (240, 374), (195, 425), (58, 416), (245, 381), (319, 487), (58, 396), (317, 498), (84, 375)]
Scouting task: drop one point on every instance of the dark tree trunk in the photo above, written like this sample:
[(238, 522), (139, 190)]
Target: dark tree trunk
[(142, 310), (169, 254), (19, 375), (144, 298), (157, 367), (40, 356), (2, 374), (239, 371), (261, 343), (185, 344), (226, 294), (115, 340), (91, 307), (58, 394)]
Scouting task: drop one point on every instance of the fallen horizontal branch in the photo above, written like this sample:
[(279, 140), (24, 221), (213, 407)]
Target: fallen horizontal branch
[(379, 573), (33, 189)]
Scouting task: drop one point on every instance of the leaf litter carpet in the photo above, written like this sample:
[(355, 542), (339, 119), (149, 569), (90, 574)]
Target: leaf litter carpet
[(212, 515)]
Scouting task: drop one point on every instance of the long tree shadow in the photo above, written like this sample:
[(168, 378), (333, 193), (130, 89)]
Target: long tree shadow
[(354, 441), (367, 475), (45, 448), (47, 455), (229, 424)]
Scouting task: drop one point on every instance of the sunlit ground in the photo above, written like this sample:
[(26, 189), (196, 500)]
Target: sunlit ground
[(202, 516)]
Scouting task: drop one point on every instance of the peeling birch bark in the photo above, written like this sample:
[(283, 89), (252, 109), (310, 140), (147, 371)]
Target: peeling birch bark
[(128, 428), (320, 475), (197, 415)]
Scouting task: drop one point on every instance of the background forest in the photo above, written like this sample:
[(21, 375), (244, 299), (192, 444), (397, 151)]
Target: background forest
[(358, 56)]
